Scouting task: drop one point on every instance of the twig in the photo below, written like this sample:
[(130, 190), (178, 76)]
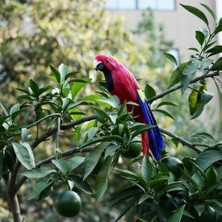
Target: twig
[(168, 91), (64, 126), (181, 140)]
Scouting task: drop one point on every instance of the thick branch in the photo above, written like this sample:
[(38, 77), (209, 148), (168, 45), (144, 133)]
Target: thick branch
[(168, 91), (181, 140)]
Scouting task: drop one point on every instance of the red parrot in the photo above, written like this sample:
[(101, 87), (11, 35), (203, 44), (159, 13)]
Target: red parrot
[(120, 82)]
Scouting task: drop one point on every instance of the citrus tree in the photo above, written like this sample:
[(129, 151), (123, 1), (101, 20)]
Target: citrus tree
[(106, 145)]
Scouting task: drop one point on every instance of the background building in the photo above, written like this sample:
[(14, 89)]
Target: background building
[(180, 25)]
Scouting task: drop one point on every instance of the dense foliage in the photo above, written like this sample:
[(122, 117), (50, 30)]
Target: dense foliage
[(101, 133)]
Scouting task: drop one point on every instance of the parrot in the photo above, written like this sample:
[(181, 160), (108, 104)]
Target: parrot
[(120, 82)]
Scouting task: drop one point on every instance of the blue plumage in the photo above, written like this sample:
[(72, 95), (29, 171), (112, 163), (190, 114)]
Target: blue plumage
[(156, 140)]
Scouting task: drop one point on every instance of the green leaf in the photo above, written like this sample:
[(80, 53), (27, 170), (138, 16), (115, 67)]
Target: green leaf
[(218, 28), (56, 73), (213, 14), (217, 65), (177, 215), (195, 105), (188, 73), (43, 171), (15, 109), (25, 134), (24, 154), (215, 50), (200, 37), (34, 86), (63, 71), (171, 58), (197, 12), (74, 162), (61, 165), (149, 91), (176, 75), (40, 188), (212, 177), (164, 112), (80, 184), (141, 129), (208, 157), (205, 64), (93, 158), (165, 103), (78, 86), (194, 49), (4, 108), (130, 175), (101, 115), (113, 138), (102, 178), (206, 97), (125, 194), (147, 168), (205, 136), (112, 101)]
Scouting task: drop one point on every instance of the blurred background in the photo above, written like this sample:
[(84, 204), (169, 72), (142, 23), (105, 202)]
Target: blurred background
[(36, 33)]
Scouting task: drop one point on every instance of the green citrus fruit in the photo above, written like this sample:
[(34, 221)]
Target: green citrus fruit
[(133, 150), (173, 164), (68, 204)]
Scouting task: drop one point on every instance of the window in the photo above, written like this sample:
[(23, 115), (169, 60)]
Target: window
[(121, 4), (169, 5)]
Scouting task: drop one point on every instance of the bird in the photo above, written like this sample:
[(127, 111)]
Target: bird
[(120, 82)]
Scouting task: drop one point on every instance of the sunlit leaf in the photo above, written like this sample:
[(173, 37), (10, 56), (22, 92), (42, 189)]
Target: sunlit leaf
[(188, 73), (63, 71), (43, 171), (24, 154)]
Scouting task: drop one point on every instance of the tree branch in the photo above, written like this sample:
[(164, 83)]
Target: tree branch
[(64, 126), (168, 91), (181, 140)]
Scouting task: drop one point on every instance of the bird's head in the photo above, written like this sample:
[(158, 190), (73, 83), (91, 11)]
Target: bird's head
[(103, 62)]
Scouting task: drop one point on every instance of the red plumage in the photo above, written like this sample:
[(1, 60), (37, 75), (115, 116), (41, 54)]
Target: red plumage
[(121, 82), (125, 88)]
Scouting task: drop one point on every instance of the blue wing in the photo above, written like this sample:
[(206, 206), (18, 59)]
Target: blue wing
[(156, 140)]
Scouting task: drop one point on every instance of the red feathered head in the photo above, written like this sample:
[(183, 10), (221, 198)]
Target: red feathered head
[(105, 62)]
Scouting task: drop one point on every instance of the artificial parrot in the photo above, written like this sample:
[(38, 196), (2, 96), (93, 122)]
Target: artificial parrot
[(120, 82)]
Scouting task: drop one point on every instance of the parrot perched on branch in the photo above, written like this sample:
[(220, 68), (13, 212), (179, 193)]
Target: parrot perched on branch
[(120, 82)]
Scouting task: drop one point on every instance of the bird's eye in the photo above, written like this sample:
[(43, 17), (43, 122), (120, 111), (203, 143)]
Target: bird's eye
[(107, 60)]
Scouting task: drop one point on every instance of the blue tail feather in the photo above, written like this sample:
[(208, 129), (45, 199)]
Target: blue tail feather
[(156, 140)]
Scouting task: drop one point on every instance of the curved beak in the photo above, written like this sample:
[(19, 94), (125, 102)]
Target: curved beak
[(98, 65)]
